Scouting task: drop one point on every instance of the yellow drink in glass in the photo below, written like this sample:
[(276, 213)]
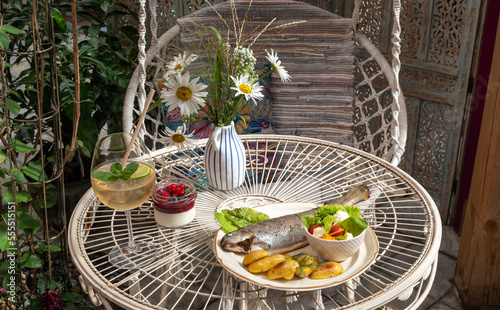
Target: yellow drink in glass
[(124, 195)]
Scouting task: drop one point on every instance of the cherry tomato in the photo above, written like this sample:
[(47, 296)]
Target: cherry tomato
[(336, 231), (312, 228)]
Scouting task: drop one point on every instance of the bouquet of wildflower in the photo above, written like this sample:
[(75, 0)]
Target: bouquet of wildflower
[(228, 82)]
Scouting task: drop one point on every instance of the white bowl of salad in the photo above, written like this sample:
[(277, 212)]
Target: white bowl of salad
[(335, 232)]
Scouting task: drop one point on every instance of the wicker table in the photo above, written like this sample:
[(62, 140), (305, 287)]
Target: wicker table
[(187, 275)]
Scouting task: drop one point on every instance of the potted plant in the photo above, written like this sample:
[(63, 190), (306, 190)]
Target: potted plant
[(39, 101)]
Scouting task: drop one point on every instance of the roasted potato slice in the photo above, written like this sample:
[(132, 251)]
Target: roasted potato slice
[(327, 270), (307, 263), (266, 263), (289, 276), (282, 269), (254, 256)]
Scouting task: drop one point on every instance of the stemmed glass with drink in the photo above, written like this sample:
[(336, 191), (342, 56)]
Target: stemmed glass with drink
[(123, 178)]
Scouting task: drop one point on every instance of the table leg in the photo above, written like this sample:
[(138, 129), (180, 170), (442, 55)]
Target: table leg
[(317, 302)]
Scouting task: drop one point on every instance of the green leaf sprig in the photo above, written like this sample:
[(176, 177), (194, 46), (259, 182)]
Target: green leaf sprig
[(116, 172)]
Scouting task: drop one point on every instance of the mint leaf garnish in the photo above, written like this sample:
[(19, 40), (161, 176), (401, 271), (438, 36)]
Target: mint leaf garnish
[(116, 168), (129, 170), (116, 172), (104, 176)]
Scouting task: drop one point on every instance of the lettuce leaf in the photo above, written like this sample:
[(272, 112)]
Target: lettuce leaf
[(354, 225), (308, 220), (250, 215), (326, 210), (353, 211), (328, 223)]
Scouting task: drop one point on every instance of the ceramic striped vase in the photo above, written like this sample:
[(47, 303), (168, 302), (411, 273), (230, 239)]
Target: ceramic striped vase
[(225, 158)]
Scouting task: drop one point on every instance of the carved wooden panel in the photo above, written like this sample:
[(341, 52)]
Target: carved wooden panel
[(437, 47), (448, 22)]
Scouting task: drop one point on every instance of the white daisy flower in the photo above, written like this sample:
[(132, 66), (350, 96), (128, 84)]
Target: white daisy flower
[(178, 138), (180, 63), (244, 86), (276, 63), (184, 93)]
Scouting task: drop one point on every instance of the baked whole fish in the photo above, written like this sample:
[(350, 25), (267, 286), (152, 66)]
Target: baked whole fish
[(284, 233)]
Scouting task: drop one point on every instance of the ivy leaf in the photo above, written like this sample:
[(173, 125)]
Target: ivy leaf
[(13, 106), (42, 247), (72, 297), (18, 175), (30, 260), (51, 201), (22, 196), (4, 40), (94, 30), (4, 267), (3, 157), (43, 281), (83, 148), (85, 151), (27, 223), (59, 19), (20, 147), (34, 171), (4, 240), (11, 29), (8, 197)]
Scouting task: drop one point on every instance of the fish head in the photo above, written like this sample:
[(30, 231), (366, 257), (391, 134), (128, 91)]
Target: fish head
[(242, 241)]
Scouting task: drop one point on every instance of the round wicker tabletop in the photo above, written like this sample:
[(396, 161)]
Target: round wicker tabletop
[(187, 275)]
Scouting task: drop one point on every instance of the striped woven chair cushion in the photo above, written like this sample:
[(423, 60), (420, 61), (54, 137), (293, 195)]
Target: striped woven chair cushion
[(318, 54)]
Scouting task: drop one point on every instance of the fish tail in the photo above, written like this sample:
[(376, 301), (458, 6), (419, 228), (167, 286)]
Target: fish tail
[(353, 196)]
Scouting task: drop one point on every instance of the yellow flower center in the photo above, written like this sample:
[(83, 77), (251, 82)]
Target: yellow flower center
[(245, 88), (178, 138), (178, 67), (184, 93)]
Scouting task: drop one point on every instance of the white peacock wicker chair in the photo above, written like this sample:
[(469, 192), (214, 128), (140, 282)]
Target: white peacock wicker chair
[(379, 121)]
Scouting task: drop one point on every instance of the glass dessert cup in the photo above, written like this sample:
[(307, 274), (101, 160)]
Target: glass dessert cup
[(173, 201), (125, 195)]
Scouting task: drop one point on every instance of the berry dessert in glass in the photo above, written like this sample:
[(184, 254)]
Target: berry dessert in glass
[(173, 201)]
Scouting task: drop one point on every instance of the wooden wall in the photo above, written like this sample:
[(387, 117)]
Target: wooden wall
[(477, 274)]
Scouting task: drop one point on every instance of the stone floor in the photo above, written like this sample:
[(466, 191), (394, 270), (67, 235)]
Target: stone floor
[(444, 294)]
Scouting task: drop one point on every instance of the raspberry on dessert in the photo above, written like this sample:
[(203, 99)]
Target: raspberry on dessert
[(165, 194)]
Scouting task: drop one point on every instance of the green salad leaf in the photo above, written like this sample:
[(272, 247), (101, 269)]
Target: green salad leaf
[(326, 210), (354, 225), (225, 224), (250, 215), (325, 217), (328, 223), (308, 220), (231, 220), (239, 222)]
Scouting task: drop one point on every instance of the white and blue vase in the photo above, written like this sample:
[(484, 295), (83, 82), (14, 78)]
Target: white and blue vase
[(225, 158)]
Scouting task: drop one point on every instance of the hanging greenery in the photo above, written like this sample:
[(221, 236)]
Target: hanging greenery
[(39, 107)]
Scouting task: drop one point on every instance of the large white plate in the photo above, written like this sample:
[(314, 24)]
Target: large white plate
[(353, 266)]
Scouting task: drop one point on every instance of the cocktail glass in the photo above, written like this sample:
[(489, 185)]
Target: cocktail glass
[(125, 193)]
